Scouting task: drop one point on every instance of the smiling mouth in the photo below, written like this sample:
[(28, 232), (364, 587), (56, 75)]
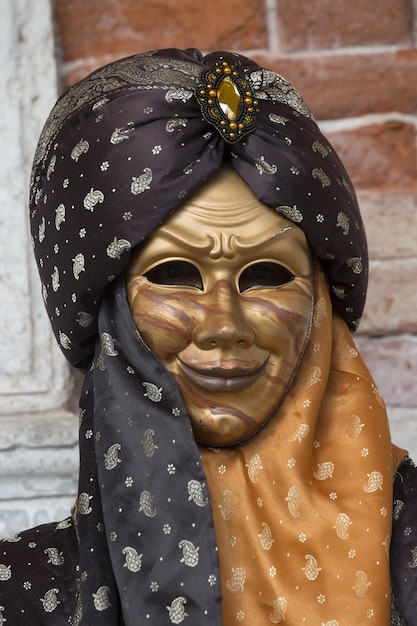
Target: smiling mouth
[(221, 378)]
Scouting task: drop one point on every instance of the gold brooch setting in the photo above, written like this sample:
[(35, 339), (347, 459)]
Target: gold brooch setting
[(227, 101)]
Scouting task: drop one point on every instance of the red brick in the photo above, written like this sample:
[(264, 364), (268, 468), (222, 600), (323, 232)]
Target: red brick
[(347, 85), (393, 364), (120, 27), (391, 302), (339, 23), (379, 155), (390, 223), (71, 74), (334, 86)]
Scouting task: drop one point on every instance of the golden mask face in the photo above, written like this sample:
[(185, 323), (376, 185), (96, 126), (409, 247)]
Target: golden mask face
[(222, 293)]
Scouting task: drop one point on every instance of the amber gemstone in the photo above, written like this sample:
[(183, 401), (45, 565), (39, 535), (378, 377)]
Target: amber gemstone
[(229, 98)]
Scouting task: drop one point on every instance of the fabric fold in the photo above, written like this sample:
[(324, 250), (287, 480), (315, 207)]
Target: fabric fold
[(144, 516)]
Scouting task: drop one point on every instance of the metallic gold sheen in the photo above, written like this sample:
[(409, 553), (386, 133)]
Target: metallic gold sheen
[(233, 353), (227, 101), (229, 98)]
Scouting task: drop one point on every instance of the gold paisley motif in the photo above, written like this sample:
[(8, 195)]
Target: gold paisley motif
[(111, 457), (227, 505), (238, 579), (375, 481), (301, 432), (141, 183), (347, 354), (325, 470), (361, 585), (280, 608), (342, 526), (321, 175), (311, 568), (254, 466), (101, 598), (355, 264), (355, 426), (292, 213), (315, 376), (93, 197), (265, 537), (146, 504), (83, 504), (78, 265), (318, 147), (176, 610), (149, 446), (152, 392), (117, 247), (82, 147), (59, 216), (133, 560), (319, 312), (189, 553), (121, 134), (5, 572), (343, 222), (55, 557), (50, 600), (195, 493), (294, 500)]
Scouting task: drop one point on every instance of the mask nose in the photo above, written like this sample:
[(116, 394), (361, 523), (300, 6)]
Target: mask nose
[(224, 325)]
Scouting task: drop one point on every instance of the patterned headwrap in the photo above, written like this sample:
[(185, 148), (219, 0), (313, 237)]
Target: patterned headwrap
[(130, 143), (294, 525)]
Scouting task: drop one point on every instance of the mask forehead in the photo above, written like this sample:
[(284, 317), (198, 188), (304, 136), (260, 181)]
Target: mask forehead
[(222, 221)]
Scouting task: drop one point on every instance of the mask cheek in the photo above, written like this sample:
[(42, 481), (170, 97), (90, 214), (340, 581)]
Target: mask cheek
[(280, 329), (161, 321)]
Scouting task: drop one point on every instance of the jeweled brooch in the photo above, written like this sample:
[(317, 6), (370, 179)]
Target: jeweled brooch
[(227, 101)]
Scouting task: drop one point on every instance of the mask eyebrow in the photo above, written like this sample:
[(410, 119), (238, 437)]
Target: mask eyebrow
[(224, 245), (241, 247)]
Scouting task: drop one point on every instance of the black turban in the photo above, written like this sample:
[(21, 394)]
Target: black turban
[(129, 144)]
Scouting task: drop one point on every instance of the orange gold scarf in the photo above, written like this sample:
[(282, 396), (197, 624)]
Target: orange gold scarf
[(303, 511)]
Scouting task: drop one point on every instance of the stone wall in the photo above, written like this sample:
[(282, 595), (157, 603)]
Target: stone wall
[(354, 62), (38, 428)]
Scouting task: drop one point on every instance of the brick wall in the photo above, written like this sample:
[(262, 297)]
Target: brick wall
[(355, 62)]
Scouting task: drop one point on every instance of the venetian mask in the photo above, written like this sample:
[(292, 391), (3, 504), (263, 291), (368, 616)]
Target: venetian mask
[(222, 293)]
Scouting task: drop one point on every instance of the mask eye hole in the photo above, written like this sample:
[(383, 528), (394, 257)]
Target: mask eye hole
[(265, 274), (175, 274)]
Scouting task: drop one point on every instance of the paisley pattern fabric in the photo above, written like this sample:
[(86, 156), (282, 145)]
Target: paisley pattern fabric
[(404, 542), (127, 146), (39, 576), (39, 567), (293, 507), (143, 506)]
